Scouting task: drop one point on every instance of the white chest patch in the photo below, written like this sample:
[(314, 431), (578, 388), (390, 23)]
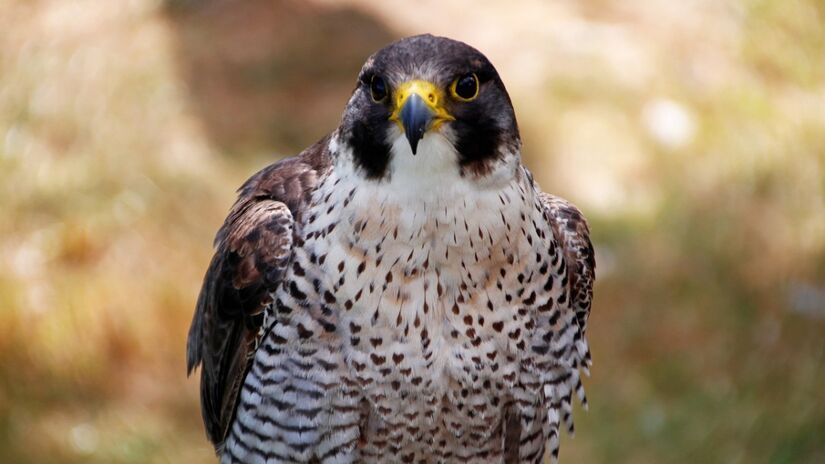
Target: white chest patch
[(425, 266)]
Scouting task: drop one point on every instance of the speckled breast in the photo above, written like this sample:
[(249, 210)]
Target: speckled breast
[(434, 314)]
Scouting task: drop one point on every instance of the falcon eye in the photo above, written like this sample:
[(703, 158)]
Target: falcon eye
[(465, 88), (378, 88)]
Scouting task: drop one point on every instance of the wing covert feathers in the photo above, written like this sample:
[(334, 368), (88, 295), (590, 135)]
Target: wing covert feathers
[(573, 236), (252, 250)]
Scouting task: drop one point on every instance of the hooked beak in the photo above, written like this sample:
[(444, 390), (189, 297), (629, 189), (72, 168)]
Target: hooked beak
[(419, 108), (415, 118)]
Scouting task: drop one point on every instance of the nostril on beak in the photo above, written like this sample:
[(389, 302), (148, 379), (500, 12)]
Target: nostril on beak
[(416, 118)]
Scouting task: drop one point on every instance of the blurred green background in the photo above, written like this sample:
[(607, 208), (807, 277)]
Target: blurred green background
[(692, 135)]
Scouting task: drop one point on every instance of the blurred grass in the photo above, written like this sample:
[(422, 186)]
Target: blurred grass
[(692, 135)]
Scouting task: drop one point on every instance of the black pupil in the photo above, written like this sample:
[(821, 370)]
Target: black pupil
[(466, 86), (378, 88)]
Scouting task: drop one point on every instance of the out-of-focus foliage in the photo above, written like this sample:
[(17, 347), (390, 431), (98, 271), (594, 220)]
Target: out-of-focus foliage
[(692, 134)]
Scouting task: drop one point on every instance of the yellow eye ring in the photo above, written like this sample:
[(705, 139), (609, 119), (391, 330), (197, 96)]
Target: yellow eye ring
[(465, 88)]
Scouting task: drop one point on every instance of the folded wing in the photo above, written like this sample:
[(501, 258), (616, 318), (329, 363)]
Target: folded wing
[(253, 249)]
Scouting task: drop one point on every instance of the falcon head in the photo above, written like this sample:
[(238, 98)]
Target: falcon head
[(431, 100)]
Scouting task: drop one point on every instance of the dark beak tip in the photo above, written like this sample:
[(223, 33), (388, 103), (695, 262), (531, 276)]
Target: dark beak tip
[(416, 117), (413, 138)]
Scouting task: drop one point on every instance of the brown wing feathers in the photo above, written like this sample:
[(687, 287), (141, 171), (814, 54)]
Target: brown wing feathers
[(252, 250), (247, 264), (571, 228)]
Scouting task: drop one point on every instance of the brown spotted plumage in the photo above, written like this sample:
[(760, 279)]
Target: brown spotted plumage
[(401, 291)]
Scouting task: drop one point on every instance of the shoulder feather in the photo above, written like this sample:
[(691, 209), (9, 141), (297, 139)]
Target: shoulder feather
[(569, 345), (252, 251), (571, 228)]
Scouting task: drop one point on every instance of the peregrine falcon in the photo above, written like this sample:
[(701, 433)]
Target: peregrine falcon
[(400, 291)]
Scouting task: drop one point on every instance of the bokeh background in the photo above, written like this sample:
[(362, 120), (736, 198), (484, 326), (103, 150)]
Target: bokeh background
[(691, 133)]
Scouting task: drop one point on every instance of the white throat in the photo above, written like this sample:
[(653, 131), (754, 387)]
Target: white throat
[(430, 175), (425, 196)]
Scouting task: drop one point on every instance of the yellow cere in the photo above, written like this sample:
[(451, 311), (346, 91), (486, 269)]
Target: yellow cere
[(432, 95)]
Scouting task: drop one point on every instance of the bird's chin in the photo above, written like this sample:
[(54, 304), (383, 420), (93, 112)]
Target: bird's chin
[(433, 146), (434, 155), (436, 141)]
